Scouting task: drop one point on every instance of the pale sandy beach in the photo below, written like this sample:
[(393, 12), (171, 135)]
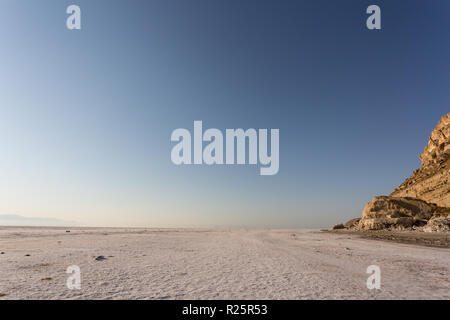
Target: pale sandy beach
[(215, 264)]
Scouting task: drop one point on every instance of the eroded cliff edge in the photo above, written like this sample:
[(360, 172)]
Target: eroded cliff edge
[(431, 181), (421, 202)]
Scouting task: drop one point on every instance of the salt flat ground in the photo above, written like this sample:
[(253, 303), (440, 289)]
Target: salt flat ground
[(215, 264)]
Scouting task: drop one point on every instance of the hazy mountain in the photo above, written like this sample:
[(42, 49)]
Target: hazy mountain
[(17, 220)]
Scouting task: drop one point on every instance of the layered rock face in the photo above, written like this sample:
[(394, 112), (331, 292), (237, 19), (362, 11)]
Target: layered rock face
[(404, 213), (387, 212), (420, 203), (431, 182)]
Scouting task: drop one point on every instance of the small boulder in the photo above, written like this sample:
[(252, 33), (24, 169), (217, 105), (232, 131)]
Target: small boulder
[(439, 224), (351, 224), (100, 258), (338, 226)]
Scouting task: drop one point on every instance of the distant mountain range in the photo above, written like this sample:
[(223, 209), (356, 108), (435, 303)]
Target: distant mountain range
[(17, 220)]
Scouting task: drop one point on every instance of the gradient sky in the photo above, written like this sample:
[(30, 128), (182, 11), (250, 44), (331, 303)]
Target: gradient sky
[(86, 116)]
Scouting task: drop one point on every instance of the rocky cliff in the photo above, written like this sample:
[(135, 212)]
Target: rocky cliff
[(420, 203), (404, 213), (431, 182)]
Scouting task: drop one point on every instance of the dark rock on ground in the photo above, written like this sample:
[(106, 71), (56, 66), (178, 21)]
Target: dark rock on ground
[(100, 258), (338, 226)]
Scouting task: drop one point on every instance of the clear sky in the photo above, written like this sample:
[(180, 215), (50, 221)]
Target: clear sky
[(86, 116)]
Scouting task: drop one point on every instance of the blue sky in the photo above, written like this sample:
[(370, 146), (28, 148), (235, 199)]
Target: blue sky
[(86, 116)]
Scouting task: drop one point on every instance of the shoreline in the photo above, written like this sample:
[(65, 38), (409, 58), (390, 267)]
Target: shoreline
[(431, 239), (427, 239)]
